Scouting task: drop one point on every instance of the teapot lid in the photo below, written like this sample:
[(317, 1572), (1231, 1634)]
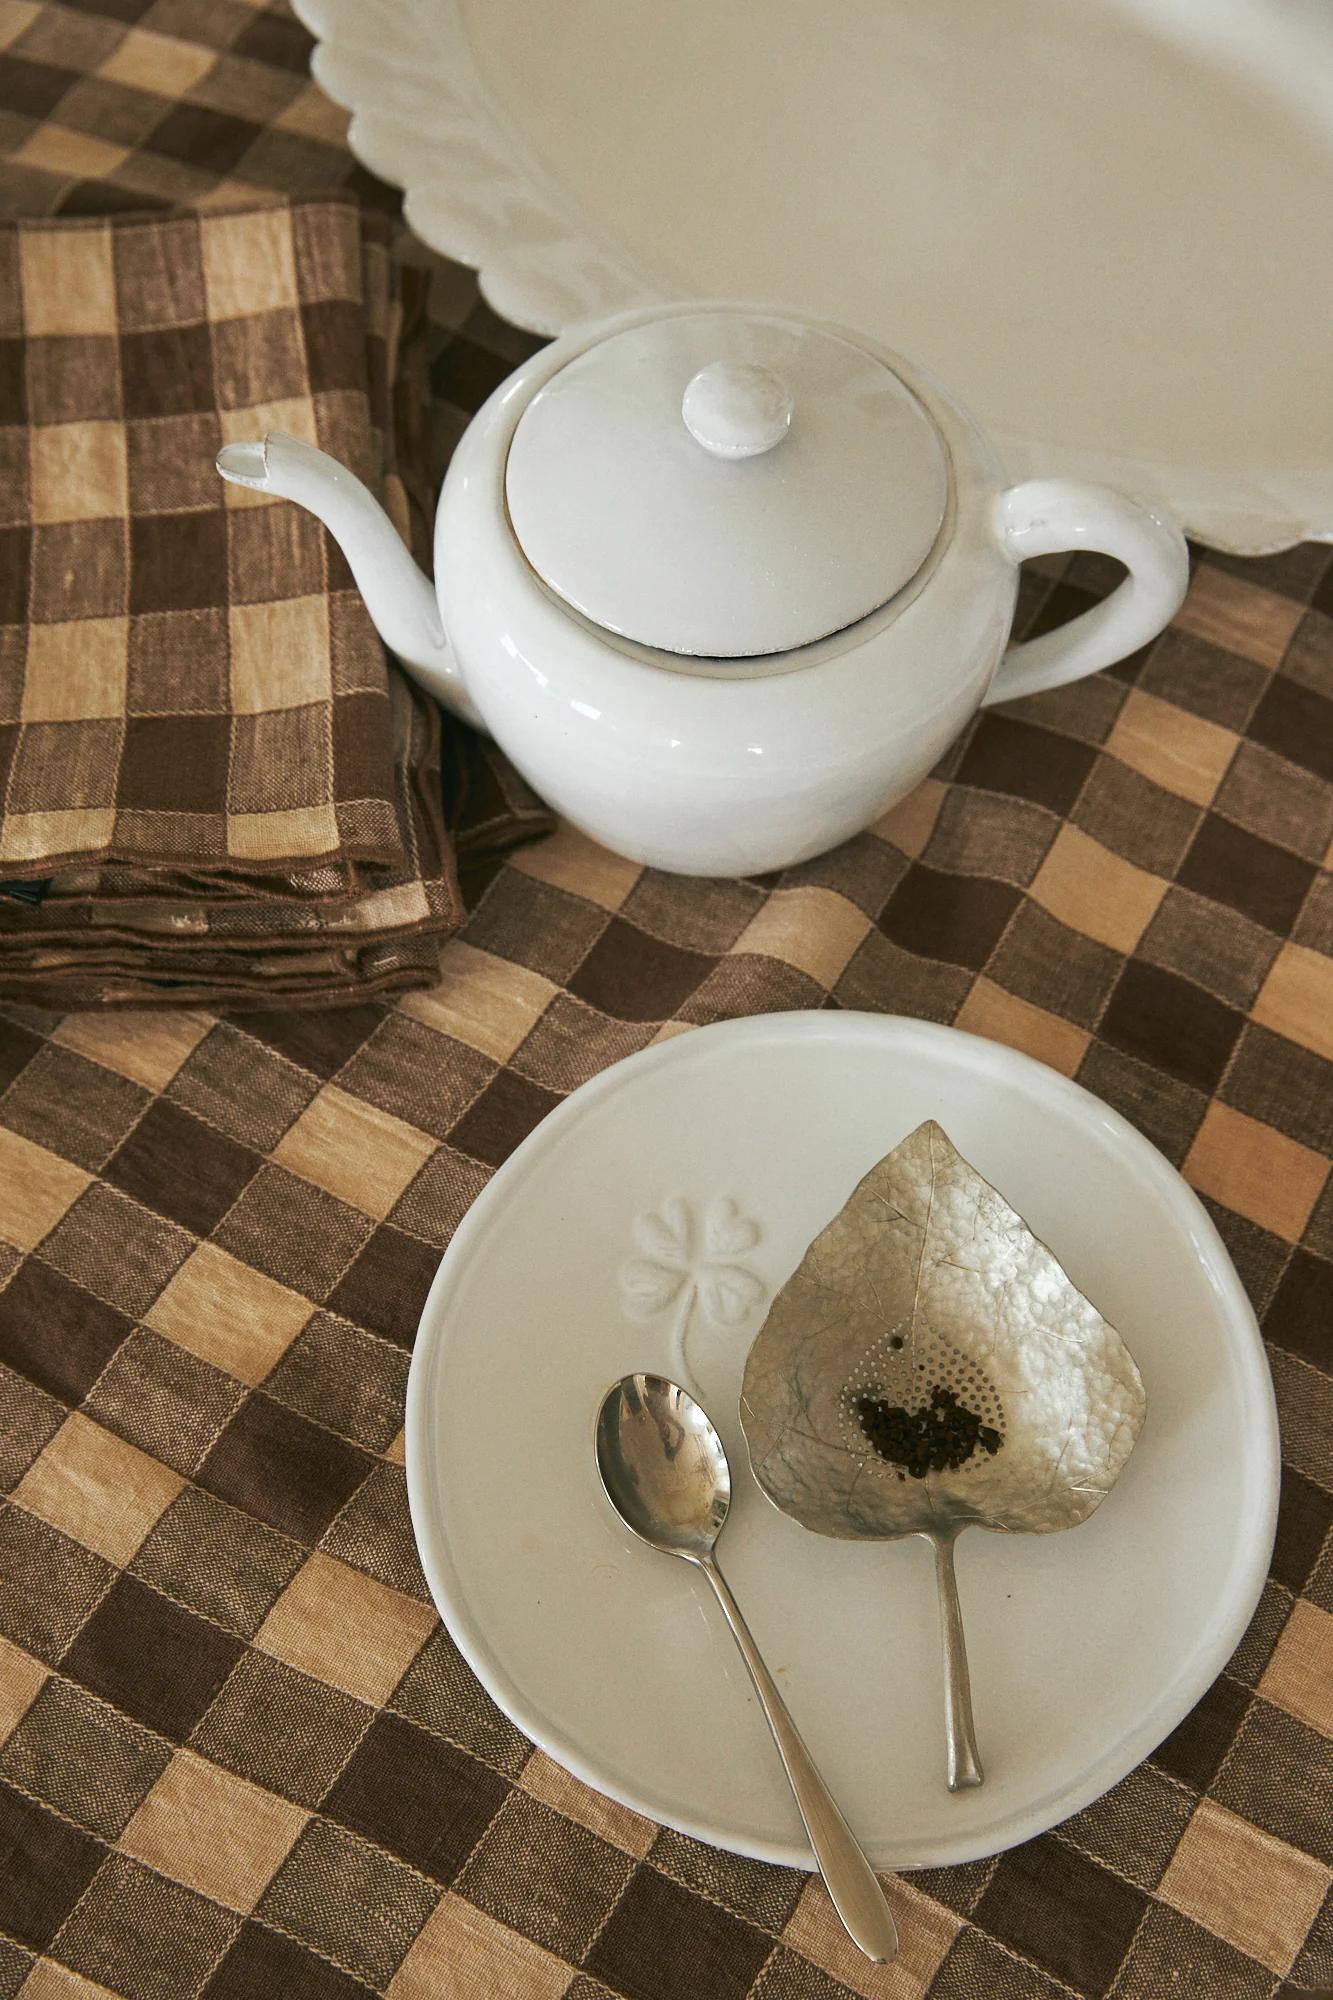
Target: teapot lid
[(725, 484)]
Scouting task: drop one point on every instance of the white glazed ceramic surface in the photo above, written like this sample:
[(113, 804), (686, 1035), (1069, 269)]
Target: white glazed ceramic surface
[(1105, 226), (646, 1224), (726, 766), (638, 492)]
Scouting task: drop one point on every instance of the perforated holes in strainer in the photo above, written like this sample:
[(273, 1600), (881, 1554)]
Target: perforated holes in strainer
[(904, 1370)]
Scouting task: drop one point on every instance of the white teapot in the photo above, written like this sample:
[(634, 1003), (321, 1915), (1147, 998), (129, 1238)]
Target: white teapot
[(724, 582)]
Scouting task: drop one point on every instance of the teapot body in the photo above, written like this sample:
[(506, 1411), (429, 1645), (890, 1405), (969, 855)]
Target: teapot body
[(720, 767), (761, 760)]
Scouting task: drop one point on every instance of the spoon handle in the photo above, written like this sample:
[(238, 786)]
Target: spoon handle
[(851, 1881)]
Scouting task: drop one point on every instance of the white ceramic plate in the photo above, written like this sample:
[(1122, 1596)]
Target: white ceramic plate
[(1104, 226), (1086, 1647)]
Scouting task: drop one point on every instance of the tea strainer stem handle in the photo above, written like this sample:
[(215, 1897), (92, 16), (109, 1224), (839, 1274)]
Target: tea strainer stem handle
[(964, 1766), (853, 1886)]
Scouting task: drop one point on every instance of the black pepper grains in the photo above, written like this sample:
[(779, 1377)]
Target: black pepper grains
[(939, 1436)]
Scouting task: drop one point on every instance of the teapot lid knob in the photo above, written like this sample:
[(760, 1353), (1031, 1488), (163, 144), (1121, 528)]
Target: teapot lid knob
[(737, 409)]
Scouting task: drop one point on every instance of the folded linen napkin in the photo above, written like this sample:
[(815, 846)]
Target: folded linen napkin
[(212, 785)]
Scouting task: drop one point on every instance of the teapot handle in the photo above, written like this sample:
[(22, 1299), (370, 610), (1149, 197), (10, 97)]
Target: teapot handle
[(1043, 516)]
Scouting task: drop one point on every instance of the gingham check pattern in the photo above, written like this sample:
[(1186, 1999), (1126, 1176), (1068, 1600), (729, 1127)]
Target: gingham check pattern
[(314, 937), (184, 684), (239, 1756), (205, 767)]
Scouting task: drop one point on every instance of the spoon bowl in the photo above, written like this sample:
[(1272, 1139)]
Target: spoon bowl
[(663, 1465)]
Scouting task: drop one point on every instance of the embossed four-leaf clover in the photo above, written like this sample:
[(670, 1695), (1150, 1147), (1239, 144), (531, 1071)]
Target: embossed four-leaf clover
[(690, 1256)]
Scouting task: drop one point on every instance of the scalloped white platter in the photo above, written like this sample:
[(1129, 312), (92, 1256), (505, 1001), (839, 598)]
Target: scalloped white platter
[(645, 1224), (1104, 226)]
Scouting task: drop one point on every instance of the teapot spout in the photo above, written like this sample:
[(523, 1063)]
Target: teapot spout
[(398, 596)]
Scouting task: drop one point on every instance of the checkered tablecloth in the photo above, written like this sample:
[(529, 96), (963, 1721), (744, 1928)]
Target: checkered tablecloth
[(239, 1757)]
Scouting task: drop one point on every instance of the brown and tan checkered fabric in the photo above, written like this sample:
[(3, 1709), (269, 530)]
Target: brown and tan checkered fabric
[(238, 1756), (187, 681), (204, 761)]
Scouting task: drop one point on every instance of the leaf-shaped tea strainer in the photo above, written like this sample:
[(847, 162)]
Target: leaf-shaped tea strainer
[(929, 1367)]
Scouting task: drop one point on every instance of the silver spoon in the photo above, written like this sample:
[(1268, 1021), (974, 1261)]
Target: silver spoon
[(666, 1474)]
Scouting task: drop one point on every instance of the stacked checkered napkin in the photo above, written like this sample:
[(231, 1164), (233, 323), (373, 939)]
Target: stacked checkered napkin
[(212, 786)]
